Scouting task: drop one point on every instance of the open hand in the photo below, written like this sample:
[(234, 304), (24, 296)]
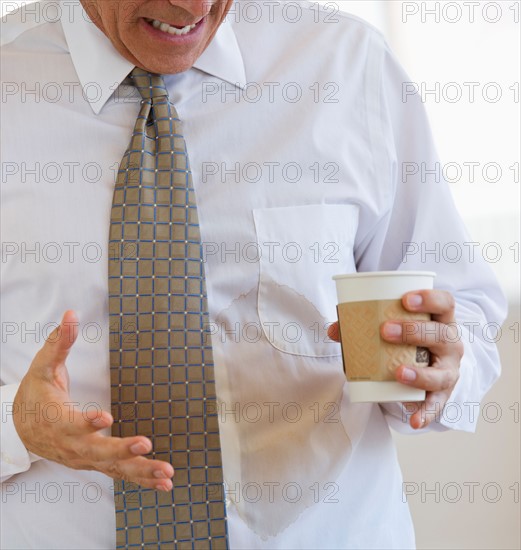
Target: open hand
[(75, 439)]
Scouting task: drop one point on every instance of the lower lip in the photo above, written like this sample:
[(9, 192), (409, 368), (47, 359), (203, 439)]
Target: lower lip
[(191, 36)]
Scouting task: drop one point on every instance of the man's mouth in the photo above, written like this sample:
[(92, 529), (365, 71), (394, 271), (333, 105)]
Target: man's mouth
[(171, 29)]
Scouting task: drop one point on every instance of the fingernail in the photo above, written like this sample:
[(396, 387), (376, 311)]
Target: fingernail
[(392, 329), (159, 474), (414, 300), (408, 374), (138, 448), (165, 487)]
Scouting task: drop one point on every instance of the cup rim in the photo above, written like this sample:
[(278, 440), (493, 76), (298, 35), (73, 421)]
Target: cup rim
[(374, 274)]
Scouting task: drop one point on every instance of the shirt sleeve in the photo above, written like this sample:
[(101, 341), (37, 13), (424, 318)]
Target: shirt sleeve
[(422, 230), (14, 457)]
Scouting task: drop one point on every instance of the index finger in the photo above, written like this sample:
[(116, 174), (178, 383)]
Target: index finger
[(440, 303), (99, 448)]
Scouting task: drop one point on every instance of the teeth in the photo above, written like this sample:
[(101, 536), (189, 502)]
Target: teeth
[(165, 27)]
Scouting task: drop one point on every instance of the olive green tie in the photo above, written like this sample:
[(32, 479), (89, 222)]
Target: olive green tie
[(162, 375)]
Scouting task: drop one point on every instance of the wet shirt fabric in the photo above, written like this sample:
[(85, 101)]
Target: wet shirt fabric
[(298, 136)]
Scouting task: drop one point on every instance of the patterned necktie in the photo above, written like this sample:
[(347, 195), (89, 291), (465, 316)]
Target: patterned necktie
[(161, 365)]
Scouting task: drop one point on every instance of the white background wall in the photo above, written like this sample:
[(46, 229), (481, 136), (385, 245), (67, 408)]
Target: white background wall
[(468, 485)]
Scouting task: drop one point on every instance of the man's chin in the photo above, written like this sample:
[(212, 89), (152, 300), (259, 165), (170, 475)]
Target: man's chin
[(166, 64)]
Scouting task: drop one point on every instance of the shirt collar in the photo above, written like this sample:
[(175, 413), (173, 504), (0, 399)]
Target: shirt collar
[(101, 68)]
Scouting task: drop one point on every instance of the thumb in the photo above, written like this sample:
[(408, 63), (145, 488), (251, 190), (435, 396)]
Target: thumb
[(59, 343), (333, 331)]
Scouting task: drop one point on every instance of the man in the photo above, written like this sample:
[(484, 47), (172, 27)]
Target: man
[(297, 136)]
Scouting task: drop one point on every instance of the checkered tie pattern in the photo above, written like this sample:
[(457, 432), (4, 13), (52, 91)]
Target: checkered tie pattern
[(162, 375)]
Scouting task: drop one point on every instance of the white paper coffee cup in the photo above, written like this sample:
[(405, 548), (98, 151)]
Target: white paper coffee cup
[(365, 300)]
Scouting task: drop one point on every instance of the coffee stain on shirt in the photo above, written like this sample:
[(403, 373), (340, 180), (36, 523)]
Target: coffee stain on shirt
[(279, 412)]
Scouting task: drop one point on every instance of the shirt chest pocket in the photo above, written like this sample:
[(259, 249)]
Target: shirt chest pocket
[(302, 248)]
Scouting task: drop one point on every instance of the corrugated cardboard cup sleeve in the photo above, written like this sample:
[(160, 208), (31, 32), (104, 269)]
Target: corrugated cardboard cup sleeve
[(365, 354)]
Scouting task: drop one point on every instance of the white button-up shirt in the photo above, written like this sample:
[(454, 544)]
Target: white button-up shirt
[(308, 161)]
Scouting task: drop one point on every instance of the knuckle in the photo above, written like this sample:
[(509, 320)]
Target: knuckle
[(87, 452), (412, 332), (450, 302), (455, 377), (460, 349), (424, 377), (450, 334), (122, 452), (450, 377), (433, 379), (86, 444), (446, 380), (114, 471)]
